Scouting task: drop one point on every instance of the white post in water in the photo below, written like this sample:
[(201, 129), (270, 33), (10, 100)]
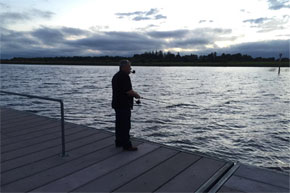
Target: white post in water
[(280, 55)]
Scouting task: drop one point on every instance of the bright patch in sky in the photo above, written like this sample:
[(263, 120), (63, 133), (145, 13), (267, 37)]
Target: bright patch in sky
[(92, 27)]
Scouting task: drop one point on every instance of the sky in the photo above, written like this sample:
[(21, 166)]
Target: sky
[(49, 28)]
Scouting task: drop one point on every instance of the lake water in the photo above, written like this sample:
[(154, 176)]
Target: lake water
[(238, 114)]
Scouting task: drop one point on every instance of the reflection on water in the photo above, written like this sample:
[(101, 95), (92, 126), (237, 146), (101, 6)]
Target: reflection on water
[(240, 114)]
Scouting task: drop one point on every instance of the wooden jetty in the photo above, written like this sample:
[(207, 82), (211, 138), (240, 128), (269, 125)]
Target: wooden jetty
[(31, 162)]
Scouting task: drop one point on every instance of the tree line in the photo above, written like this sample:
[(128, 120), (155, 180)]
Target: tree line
[(158, 58)]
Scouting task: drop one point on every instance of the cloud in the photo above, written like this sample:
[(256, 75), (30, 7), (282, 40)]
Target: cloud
[(199, 32), (140, 18), (168, 34), (205, 21), (278, 4), (8, 18), (4, 6), (257, 21), (264, 49), (13, 17), (159, 16), (152, 14), (264, 24), (51, 42), (41, 14)]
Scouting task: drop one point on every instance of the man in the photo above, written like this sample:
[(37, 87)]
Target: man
[(122, 102)]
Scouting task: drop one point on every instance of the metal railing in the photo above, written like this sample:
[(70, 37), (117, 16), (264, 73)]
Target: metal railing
[(63, 152)]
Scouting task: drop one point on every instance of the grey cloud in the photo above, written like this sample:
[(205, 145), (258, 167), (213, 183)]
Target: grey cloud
[(118, 41), (16, 39), (130, 13), (265, 49), (264, 24), (152, 14), (244, 11), (4, 6), (160, 17), (48, 36), (168, 34), (257, 21), (205, 21), (139, 18), (278, 4), (186, 38), (15, 17), (41, 14), (191, 43), (209, 33), (73, 31), (47, 41)]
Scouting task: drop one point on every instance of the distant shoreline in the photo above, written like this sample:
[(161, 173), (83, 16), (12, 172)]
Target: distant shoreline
[(158, 58), (157, 64)]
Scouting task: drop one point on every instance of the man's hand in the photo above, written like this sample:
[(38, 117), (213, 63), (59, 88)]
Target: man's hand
[(133, 94), (137, 96)]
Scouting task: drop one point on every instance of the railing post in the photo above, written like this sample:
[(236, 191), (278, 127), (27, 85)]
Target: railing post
[(63, 153)]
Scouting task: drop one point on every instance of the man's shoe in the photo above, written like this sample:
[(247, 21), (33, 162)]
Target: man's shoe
[(130, 149)]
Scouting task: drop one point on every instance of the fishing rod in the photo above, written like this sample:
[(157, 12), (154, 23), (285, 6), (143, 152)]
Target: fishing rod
[(138, 101)]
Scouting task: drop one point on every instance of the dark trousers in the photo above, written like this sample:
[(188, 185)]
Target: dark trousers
[(122, 127)]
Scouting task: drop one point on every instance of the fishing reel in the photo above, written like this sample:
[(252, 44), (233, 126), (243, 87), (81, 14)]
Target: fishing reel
[(138, 102)]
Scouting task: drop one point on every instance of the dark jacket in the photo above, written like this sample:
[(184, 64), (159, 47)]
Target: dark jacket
[(121, 83)]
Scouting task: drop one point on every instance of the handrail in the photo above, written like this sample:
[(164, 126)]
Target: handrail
[(61, 110)]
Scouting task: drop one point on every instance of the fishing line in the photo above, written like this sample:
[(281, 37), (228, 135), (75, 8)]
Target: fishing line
[(138, 101), (158, 101)]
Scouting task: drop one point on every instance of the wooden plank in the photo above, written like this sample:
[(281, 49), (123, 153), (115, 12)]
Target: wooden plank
[(45, 164), (125, 174), (247, 185), (12, 114), (193, 177), (30, 136), (59, 172), (42, 146), (31, 127), (55, 151), (17, 117), (88, 174), (24, 131), (26, 126), (22, 118), (14, 119), (264, 175), (38, 140), (158, 176)]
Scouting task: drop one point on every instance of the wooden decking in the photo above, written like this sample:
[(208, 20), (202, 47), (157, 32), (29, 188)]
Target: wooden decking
[(31, 162)]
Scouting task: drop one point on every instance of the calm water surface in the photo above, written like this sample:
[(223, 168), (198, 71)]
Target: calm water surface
[(238, 114)]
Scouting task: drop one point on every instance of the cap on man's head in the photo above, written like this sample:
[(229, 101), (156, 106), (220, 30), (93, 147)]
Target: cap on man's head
[(124, 63)]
